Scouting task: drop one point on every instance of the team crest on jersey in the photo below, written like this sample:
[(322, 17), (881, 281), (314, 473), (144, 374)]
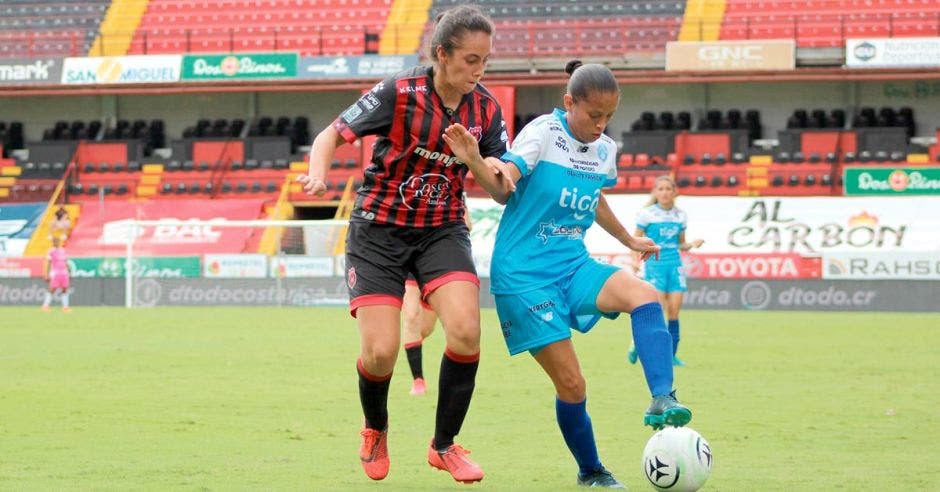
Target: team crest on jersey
[(476, 131), (427, 189), (549, 230), (351, 277), (602, 153)]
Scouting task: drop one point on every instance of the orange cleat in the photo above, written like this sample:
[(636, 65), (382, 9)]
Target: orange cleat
[(418, 387), (66, 310), (46, 309), (454, 460), (373, 454)]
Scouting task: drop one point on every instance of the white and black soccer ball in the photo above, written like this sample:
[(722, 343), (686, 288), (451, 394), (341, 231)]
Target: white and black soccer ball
[(677, 459)]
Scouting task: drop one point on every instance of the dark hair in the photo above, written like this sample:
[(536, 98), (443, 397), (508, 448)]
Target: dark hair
[(453, 24), (588, 79)]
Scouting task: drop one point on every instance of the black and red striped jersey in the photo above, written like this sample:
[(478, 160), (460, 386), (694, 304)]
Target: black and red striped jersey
[(413, 179)]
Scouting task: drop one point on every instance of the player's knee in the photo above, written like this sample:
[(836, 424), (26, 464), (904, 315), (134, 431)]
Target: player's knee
[(379, 360), (571, 387), (464, 334)]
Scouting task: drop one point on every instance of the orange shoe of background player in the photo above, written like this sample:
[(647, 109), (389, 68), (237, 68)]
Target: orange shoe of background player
[(418, 387), (454, 460), (373, 454)]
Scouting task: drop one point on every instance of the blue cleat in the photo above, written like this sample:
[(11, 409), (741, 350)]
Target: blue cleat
[(666, 410), (632, 355), (599, 477), (677, 362)]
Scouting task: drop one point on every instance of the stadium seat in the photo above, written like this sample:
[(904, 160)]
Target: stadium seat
[(166, 188)]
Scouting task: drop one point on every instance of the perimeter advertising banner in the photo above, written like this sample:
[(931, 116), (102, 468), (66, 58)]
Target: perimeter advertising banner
[(147, 267), (369, 66), (235, 266), (808, 226), (135, 69), (892, 52), (882, 266), (23, 71), (17, 223), (105, 231), (892, 181), (720, 56), (22, 267), (239, 66)]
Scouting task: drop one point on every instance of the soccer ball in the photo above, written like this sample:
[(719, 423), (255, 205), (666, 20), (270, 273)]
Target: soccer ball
[(677, 459)]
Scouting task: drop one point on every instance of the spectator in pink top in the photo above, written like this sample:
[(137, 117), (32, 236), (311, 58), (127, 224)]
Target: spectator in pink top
[(58, 276)]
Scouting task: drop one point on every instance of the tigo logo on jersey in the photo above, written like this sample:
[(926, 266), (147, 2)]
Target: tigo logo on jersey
[(580, 204)]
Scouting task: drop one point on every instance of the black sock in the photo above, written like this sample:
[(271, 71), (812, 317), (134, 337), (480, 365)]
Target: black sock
[(413, 352), (458, 373), (373, 394)]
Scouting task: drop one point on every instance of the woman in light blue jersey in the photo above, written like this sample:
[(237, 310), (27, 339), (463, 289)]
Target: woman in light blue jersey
[(544, 281), (663, 222)]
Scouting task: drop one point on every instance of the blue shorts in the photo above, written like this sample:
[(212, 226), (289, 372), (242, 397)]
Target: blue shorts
[(533, 319), (666, 278)]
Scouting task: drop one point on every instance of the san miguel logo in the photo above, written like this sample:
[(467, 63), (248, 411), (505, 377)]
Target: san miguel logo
[(765, 225)]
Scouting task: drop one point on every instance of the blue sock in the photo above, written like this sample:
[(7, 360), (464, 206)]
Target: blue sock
[(654, 345), (575, 425), (674, 331)]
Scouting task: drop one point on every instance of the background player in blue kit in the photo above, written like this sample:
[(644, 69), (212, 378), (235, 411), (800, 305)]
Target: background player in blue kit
[(545, 282), (663, 222)]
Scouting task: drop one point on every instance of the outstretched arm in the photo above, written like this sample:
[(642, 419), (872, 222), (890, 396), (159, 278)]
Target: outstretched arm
[(684, 246), (607, 220), (494, 175), (321, 155)]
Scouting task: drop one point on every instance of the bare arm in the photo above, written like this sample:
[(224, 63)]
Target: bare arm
[(321, 155), (609, 222), (497, 178), (684, 246)]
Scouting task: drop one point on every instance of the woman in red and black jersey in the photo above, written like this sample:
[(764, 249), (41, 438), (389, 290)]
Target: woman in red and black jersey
[(408, 218)]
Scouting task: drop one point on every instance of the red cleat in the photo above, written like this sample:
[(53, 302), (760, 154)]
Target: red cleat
[(454, 460), (373, 454), (418, 387)]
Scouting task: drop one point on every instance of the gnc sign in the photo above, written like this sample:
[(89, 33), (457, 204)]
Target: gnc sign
[(731, 55)]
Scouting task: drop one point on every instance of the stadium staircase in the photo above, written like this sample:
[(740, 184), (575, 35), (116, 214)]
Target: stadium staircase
[(116, 31), (402, 32), (696, 25)]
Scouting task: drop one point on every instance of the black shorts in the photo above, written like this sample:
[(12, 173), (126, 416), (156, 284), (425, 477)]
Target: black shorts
[(379, 258)]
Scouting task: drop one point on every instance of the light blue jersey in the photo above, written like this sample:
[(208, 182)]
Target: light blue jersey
[(664, 227), (541, 234)]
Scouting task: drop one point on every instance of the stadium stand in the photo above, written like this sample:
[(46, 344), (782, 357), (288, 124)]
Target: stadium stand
[(309, 27), (49, 28), (584, 28), (827, 23)]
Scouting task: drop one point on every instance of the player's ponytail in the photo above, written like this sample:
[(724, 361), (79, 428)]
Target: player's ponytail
[(589, 79), (571, 66)]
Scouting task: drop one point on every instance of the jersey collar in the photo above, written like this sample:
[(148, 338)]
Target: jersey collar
[(560, 114)]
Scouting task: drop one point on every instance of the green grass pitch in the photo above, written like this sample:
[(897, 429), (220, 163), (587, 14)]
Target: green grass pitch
[(265, 398)]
